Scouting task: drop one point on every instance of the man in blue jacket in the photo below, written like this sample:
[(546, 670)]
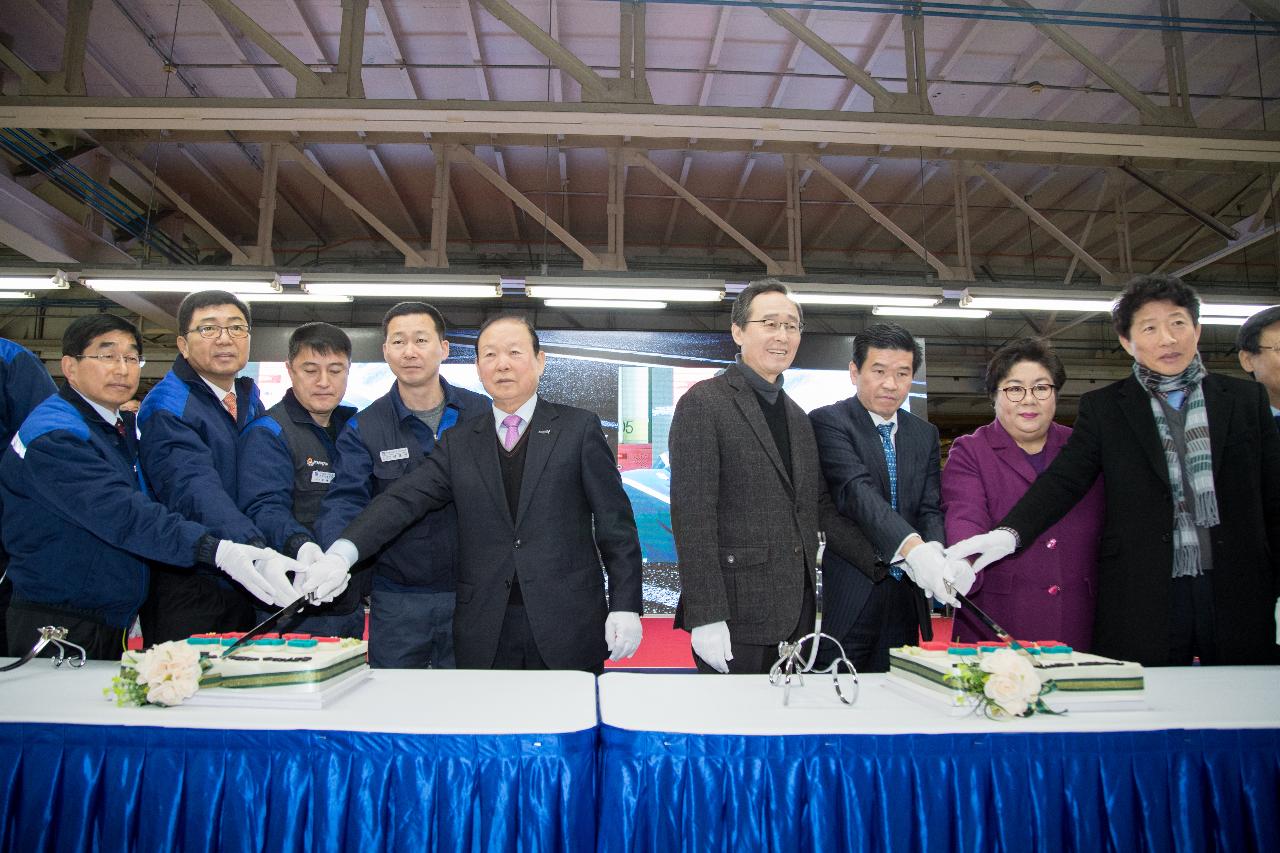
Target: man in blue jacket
[(24, 384), (190, 423), (78, 521), (415, 575), (287, 463)]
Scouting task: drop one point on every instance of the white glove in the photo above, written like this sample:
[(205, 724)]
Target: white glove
[(622, 633), (257, 571), (328, 576), (992, 546), (711, 643), (309, 553), (928, 567), (960, 574)]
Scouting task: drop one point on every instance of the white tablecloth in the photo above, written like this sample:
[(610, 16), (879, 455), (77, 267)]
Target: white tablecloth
[(397, 701), (1179, 698)]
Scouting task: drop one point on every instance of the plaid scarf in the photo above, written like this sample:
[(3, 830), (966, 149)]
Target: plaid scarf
[(1198, 462)]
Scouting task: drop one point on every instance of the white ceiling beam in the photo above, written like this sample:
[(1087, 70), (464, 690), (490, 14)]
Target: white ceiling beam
[(641, 122), (37, 229)]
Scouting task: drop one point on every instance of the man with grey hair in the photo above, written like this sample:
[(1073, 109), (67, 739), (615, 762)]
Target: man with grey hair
[(1259, 345), (748, 497)]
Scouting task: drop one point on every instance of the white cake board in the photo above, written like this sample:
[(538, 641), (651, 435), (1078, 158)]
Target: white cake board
[(302, 697), (1057, 700)]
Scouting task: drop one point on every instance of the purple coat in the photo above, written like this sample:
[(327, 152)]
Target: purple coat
[(1046, 591)]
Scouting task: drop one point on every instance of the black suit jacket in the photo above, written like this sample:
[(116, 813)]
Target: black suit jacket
[(572, 514), (1115, 435), (854, 464)]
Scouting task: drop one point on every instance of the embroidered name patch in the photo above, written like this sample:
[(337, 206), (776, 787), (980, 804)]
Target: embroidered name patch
[(322, 476), (393, 455)]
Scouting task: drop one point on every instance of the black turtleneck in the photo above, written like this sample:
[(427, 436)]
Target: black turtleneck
[(773, 406)]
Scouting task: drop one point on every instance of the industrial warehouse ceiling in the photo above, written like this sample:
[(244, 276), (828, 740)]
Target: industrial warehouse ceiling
[(1002, 144)]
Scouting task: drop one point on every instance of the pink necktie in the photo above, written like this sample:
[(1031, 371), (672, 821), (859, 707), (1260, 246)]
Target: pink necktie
[(512, 423), (229, 402)]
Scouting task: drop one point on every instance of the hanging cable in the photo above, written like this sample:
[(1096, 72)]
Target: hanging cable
[(169, 68)]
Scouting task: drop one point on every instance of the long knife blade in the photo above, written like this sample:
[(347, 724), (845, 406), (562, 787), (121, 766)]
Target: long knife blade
[(990, 623), (267, 624)]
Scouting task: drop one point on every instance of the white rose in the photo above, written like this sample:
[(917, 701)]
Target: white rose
[(173, 691), (1014, 683), (1006, 692), (172, 671)]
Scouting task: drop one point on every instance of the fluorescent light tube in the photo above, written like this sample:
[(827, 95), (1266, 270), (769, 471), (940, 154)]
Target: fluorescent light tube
[(16, 294), (938, 313), (1031, 303), (33, 282), (609, 293), (1231, 310), (405, 290), (292, 297), (168, 285), (860, 299), (1222, 321), (602, 303)]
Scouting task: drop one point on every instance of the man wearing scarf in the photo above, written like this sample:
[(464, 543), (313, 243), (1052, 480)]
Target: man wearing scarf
[(1189, 565)]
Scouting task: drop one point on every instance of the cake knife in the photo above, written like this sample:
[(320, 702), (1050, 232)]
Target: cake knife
[(267, 624), (990, 623)]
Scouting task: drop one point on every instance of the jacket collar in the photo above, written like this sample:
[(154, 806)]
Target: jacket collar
[(748, 403), (1011, 454), (299, 415), (402, 411)]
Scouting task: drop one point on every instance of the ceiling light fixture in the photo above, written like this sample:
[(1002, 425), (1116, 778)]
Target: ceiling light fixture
[(445, 287), (33, 282), (173, 285), (1222, 321), (1031, 303), (625, 289), (603, 303), (1238, 309), (936, 313), (16, 294), (865, 299), (293, 297)]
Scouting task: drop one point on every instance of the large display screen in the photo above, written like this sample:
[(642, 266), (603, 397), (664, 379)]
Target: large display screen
[(632, 381)]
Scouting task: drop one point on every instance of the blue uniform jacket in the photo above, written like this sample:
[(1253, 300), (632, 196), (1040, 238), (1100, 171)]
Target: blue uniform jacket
[(268, 477), (79, 525), (188, 450), (24, 384), (374, 450)]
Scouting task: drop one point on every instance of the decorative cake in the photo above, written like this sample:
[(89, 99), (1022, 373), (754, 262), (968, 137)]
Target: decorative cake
[(1082, 681), (272, 660)]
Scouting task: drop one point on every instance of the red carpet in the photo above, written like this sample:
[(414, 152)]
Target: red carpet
[(663, 647)]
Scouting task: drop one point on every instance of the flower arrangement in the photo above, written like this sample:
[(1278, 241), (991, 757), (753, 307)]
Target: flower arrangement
[(165, 674), (1003, 684)]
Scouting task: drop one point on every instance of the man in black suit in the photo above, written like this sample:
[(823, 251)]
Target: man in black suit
[(1259, 350), (540, 507), (882, 465), (1190, 558)]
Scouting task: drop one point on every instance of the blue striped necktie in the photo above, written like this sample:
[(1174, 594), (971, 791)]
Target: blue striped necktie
[(891, 461)]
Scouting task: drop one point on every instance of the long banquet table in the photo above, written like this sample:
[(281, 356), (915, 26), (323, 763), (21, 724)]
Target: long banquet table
[(410, 760), (717, 764)]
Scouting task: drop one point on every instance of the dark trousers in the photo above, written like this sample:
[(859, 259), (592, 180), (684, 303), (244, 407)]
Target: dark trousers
[(185, 603), (411, 630), (516, 647), (6, 593), (890, 618), (754, 659), (1191, 632), (24, 620)]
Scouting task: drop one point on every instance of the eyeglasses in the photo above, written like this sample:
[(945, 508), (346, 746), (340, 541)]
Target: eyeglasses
[(239, 330), (1273, 349), (772, 326), (1016, 393), (112, 360)]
